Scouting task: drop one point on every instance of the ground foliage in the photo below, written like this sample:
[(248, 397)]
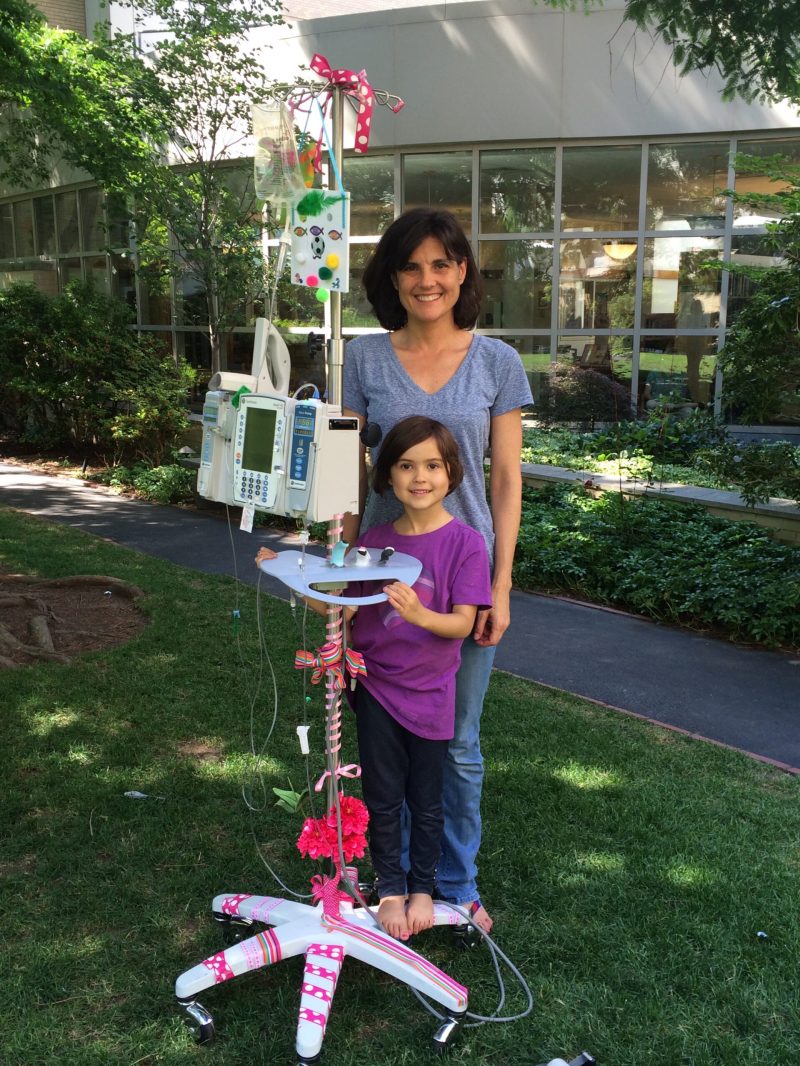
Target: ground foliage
[(629, 869), (673, 562)]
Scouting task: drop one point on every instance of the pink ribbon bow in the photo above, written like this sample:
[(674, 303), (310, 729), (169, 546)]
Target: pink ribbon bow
[(328, 659), (360, 88), (352, 770)]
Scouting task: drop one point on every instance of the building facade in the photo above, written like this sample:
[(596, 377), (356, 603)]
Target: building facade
[(590, 178)]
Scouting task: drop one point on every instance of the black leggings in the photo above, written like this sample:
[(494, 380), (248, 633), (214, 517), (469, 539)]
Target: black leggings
[(399, 767)]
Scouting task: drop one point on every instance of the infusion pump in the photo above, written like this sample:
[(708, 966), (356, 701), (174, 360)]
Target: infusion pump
[(298, 458)]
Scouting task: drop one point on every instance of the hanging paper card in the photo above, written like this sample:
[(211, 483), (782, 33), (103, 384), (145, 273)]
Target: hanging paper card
[(320, 222), (277, 171)]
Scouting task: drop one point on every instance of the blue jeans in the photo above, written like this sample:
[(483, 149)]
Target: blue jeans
[(463, 781)]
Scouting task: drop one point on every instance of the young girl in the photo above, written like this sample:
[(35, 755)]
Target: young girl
[(412, 648)]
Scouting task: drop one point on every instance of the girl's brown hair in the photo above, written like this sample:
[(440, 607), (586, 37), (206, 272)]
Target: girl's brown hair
[(407, 434)]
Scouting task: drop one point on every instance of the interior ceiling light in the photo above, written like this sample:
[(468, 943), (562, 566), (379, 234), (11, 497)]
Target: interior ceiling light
[(619, 250)]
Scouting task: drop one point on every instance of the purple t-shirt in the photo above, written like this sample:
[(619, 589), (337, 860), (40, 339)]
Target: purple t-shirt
[(410, 671)]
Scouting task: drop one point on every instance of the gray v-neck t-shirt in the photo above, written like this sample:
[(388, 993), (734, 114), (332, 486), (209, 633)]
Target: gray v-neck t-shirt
[(490, 381)]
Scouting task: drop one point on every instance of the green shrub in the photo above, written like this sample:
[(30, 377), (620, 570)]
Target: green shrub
[(661, 436), (582, 396), (759, 469), (74, 375), (169, 483), (665, 560)]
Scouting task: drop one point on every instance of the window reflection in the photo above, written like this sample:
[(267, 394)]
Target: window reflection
[(754, 251), (441, 179), (23, 227), (67, 222), (356, 309), (685, 184), (609, 356), (600, 188), (750, 180), (677, 372), (681, 288), (517, 190), (6, 232), (517, 281), (93, 230), (370, 180), (596, 289), (44, 216)]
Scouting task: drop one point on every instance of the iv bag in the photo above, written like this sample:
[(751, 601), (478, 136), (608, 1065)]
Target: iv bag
[(277, 171)]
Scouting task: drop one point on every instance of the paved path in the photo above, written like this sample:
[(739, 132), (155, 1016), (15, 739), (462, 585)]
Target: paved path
[(745, 698)]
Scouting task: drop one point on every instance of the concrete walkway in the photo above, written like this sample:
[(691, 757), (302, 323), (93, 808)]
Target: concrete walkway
[(742, 697)]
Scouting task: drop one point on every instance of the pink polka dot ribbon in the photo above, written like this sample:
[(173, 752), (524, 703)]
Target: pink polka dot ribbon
[(360, 89)]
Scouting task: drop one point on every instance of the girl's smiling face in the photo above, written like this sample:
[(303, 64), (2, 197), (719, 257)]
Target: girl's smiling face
[(420, 477)]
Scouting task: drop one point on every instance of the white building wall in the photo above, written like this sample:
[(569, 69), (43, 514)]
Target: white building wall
[(506, 70)]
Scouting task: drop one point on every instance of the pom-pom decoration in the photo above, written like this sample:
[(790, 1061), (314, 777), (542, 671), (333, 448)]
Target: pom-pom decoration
[(319, 226)]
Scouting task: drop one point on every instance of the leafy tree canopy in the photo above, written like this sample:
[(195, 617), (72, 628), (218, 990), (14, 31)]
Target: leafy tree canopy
[(753, 44), (62, 95)]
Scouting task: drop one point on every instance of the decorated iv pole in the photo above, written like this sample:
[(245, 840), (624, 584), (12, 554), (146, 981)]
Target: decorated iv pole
[(269, 929)]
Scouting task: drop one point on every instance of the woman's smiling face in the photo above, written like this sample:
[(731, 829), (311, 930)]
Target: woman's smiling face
[(429, 284)]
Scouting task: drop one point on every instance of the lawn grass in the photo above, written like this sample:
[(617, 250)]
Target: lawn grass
[(628, 868)]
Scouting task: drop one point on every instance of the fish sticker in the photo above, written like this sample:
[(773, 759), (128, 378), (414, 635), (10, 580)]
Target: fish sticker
[(334, 234), (316, 230), (300, 231)]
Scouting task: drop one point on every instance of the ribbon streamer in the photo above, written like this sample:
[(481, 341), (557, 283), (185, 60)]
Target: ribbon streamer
[(329, 659), (360, 89), (352, 770)]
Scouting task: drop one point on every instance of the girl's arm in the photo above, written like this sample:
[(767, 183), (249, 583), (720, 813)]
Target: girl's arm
[(505, 489), (455, 626)]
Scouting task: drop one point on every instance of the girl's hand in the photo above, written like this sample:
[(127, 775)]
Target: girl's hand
[(265, 553), (405, 601)]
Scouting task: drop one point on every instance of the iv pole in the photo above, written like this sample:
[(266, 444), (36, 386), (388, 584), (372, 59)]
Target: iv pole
[(327, 932)]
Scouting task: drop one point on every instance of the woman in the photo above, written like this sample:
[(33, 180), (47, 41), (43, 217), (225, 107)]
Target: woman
[(425, 289)]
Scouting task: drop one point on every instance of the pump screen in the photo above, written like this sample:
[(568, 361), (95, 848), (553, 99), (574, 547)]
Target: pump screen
[(259, 439)]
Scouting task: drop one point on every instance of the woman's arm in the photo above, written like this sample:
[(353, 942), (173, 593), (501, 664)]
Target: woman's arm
[(505, 492)]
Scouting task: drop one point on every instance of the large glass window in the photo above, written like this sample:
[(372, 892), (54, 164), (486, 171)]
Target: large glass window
[(370, 182), (600, 188), (750, 179), (67, 222), (517, 190), (356, 310), (597, 289), (6, 231), (677, 372), (681, 288), (443, 179), (517, 281), (23, 227), (685, 185), (93, 230), (44, 215)]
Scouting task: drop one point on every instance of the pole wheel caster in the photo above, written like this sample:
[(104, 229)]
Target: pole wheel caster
[(234, 930), (466, 937), (200, 1022), (446, 1033)]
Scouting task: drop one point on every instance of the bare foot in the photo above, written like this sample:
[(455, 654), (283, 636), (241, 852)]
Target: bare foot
[(392, 916), (480, 916), (419, 913)]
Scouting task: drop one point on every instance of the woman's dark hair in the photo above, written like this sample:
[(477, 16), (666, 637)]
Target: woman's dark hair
[(405, 435), (393, 252)]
